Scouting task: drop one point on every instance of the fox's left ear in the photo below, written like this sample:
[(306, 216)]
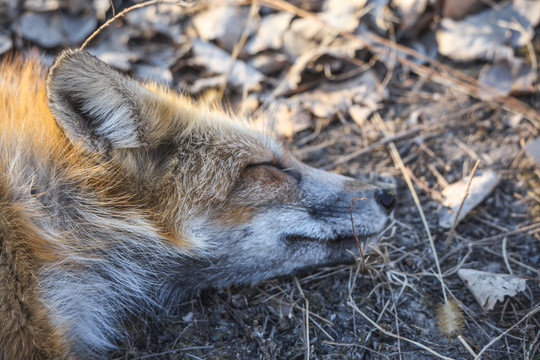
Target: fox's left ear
[(96, 105)]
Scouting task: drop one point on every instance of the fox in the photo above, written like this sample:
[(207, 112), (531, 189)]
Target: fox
[(119, 197)]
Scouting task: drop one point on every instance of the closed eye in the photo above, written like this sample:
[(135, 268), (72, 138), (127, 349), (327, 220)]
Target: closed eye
[(267, 163), (295, 174)]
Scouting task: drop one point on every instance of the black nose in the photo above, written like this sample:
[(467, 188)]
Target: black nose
[(386, 199)]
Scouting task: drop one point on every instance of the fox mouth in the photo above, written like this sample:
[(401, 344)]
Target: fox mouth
[(338, 239)]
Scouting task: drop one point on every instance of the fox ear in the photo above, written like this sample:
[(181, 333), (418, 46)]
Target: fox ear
[(95, 104)]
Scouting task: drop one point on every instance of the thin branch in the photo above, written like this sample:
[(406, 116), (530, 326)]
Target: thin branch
[(129, 9)]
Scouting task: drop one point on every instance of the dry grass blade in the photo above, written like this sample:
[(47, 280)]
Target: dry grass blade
[(306, 320), (129, 9), (466, 346), (112, 7), (399, 163), (456, 220), (399, 337), (494, 340), (351, 207)]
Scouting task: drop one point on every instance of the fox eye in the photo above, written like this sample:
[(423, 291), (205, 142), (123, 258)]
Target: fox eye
[(288, 171), (267, 163)]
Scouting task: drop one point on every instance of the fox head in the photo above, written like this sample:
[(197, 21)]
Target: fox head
[(237, 203)]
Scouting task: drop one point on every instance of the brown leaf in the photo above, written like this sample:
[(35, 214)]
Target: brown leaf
[(221, 22), (331, 98), (486, 35), (481, 186), (506, 78), (488, 288), (216, 61), (533, 149), (270, 33)]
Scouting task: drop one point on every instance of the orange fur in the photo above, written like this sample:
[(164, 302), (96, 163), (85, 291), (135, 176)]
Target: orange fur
[(26, 332)]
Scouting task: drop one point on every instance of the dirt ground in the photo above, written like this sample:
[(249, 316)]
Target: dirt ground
[(386, 306)]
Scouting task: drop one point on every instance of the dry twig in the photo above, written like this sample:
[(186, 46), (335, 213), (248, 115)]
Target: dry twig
[(129, 9)]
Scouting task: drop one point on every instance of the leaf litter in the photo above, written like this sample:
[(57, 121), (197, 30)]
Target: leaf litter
[(324, 92)]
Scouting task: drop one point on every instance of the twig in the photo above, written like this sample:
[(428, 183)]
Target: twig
[(112, 7), (125, 11), (456, 219)]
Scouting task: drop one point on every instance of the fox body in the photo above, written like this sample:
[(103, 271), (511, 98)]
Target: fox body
[(119, 198)]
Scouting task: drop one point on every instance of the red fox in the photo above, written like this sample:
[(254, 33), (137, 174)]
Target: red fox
[(119, 197)]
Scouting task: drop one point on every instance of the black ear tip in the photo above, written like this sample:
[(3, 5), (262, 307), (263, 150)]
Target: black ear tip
[(386, 198)]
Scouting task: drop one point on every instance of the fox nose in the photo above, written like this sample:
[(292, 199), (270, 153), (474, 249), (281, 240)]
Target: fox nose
[(386, 199)]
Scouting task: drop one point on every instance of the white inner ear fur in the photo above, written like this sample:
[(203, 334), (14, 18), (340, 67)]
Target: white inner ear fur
[(95, 104)]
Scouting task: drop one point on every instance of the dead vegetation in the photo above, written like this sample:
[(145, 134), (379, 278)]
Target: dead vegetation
[(425, 94)]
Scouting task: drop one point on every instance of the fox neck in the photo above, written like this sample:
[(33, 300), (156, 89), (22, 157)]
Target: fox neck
[(109, 258)]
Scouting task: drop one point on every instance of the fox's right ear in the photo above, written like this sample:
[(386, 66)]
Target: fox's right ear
[(96, 105)]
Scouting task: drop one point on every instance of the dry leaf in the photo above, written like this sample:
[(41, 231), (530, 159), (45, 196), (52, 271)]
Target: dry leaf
[(339, 49), (343, 14), (269, 62), (223, 23), (113, 48), (533, 149), (506, 78), (77, 29), (486, 35), (42, 5), (481, 185), (306, 34), (162, 18), (5, 42), (43, 29), (331, 98), (488, 288), (270, 33), (410, 12), (217, 61), (359, 114), (286, 119), (53, 29), (458, 9)]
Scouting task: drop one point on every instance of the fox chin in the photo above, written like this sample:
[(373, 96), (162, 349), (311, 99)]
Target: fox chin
[(117, 197)]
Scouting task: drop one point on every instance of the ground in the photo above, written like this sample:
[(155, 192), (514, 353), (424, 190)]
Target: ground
[(440, 123)]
